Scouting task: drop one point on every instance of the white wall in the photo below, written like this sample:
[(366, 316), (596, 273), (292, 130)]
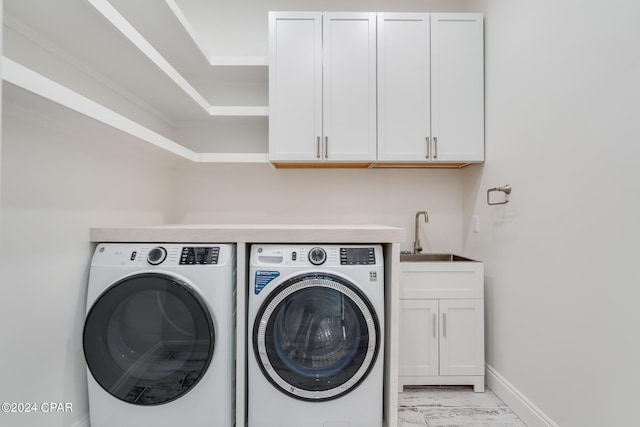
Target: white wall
[(562, 109), (1, 53), (263, 194), (58, 180), (241, 28)]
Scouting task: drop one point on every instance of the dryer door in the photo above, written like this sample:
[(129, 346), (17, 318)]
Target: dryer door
[(316, 337), (148, 339)]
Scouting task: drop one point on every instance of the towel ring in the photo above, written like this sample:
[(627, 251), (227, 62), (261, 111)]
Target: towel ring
[(506, 190)]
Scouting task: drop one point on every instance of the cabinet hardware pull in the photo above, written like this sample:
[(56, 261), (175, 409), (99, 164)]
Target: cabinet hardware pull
[(326, 147), (435, 147), (444, 325), (318, 148), (428, 148), (435, 327)]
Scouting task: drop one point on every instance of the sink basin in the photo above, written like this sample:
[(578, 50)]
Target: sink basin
[(432, 258)]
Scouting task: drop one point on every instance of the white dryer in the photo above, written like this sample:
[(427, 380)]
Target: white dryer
[(159, 335), (316, 327)]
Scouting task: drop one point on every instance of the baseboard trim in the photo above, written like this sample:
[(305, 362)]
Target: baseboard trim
[(523, 407), (82, 422)]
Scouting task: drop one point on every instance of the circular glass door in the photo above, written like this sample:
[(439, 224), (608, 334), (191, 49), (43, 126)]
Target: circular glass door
[(148, 339), (316, 337)]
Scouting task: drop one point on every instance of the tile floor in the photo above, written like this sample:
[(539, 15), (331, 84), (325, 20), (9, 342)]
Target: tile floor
[(449, 406)]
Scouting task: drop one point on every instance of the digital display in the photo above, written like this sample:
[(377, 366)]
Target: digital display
[(199, 255), (357, 256), (202, 255)]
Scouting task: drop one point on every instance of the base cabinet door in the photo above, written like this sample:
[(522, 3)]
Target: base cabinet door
[(461, 337), (441, 337), (418, 338)]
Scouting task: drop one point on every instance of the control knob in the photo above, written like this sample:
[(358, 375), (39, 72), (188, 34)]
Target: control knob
[(156, 255), (317, 256)]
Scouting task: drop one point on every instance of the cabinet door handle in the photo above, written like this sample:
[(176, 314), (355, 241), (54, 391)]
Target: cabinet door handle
[(435, 326), (428, 148), (444, 325), (435, 147), (318, 148), (326, 147)]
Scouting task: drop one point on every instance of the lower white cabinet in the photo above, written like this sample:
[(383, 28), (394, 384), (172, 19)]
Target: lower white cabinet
[(442, 330)]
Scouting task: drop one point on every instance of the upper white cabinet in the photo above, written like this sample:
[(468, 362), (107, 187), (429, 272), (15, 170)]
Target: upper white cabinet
[(322, 87), (457, 87), (295, 86), (430, 88), (404, 86)]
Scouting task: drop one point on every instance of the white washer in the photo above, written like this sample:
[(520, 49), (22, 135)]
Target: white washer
[(316, 328), (159, 335)]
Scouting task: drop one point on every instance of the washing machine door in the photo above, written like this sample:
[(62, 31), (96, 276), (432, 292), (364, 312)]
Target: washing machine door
[(316, 337), (148, 339)]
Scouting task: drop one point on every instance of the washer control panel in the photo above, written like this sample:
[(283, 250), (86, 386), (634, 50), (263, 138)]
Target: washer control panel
[(317, 256)]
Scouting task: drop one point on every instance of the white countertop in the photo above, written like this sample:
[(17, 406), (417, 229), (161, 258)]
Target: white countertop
[(250, 233)]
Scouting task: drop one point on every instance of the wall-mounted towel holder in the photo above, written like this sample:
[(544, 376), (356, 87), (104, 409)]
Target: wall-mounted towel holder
[(506, 190)]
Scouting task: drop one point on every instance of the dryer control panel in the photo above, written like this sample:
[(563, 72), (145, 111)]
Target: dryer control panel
[(154, 255), (199, 255)]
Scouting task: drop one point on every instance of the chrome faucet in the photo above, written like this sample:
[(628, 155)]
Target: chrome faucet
[(416, 243)]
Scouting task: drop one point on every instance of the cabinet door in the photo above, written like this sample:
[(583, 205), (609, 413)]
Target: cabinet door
[(349, 89), (295, 86), (418, 338), (403, 87), (457, 87), (461, 337)]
